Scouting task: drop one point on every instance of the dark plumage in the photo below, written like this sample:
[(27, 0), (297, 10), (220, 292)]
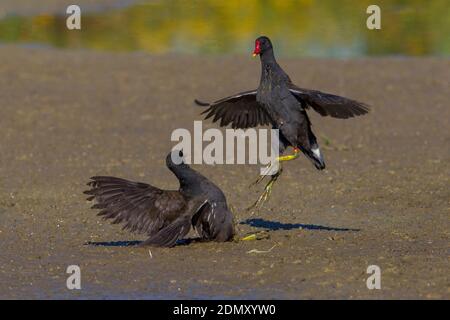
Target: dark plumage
[(280, 103), (165, 215)]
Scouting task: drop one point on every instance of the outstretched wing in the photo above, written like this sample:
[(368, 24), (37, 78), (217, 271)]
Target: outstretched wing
[(241, 110), (327, 104), (168, 236), (142, 207)]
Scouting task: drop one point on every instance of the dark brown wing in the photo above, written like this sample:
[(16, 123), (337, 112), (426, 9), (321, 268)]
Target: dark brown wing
[(241, 110), (142, 207), (329, 104), (168, 236)]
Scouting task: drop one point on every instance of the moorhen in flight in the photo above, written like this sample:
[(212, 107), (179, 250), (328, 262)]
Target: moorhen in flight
[(280, 103), (165, 215)]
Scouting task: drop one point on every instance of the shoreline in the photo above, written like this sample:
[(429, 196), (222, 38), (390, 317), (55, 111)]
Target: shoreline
[(27, 8)]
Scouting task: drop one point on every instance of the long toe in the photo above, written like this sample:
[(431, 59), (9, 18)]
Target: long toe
[(258, 180), (266, 193), (262, 176)]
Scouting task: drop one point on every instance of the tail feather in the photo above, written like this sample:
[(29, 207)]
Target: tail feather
[(315, 156), (201, 103)]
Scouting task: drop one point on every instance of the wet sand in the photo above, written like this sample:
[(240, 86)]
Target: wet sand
[(382, 200)]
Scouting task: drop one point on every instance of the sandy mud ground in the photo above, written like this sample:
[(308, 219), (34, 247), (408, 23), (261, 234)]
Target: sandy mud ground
[(383, 199)]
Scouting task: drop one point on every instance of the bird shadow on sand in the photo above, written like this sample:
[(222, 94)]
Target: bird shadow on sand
[(257, 223), (125, 243), (135, 243), (275, 225)]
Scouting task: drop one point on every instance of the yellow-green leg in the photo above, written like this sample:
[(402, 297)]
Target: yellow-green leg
[(260, 177), (267, 191), (260, 235), (268, 188), (293, 156)]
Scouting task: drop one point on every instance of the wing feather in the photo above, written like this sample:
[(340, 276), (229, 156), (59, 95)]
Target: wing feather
[(141, 207), (327, 104), (240, 110), (168, 236)]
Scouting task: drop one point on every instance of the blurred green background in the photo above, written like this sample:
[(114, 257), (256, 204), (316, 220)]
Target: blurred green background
[(317, 28)]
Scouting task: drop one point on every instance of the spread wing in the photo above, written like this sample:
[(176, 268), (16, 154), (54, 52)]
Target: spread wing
[(142, 207), (241, 110), (168, 236), (327, 104)]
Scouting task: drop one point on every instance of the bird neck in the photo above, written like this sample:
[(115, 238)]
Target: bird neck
[(270, 69), (268, 58), (186, 176)]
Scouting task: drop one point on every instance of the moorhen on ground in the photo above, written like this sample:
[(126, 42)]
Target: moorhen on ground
[(165, 215), (280, 103)]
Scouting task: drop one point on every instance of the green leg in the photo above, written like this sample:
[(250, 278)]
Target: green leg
[(267, 191), (280, 159)]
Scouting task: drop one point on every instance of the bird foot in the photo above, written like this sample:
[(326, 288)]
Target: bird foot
[(262, 175), (266, 193), (269, 168), (255, 236)]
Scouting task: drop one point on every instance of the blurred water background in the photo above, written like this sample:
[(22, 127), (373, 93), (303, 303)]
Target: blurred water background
[(312, 28)]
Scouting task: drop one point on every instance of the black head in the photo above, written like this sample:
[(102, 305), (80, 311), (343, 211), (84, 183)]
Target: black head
[(175, 159), (262, 44), (190, 180)]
